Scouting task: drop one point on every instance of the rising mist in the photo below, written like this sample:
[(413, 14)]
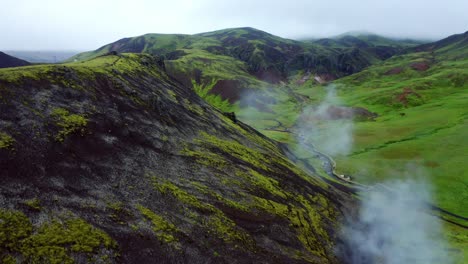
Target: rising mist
[(318, 127), (394, 227)]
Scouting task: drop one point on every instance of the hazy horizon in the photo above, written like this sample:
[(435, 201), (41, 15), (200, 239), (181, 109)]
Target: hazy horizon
[(87, 25), (298, 38)]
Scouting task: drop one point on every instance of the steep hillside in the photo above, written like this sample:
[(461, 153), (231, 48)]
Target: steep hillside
[(111, 161), (7, 61)]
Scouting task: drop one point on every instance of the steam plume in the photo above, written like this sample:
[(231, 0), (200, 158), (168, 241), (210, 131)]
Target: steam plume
[(320, 127), (393, 228)]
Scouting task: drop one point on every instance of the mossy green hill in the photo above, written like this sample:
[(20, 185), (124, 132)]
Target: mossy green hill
[(112, 161)]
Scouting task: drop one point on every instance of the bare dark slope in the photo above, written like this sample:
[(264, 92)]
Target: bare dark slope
[(7, 61), (112, 161)]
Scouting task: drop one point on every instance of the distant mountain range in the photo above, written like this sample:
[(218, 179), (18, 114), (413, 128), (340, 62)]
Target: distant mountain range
[(248, 54), (42, 56)]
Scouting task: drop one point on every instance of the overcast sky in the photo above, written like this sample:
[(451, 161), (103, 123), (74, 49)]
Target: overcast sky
[(89, 24)]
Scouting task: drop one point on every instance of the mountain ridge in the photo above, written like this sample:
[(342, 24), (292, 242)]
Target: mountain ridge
[(266, 57)]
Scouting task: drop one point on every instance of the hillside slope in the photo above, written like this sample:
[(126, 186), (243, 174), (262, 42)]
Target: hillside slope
[(7, 61), (111, 161), (453, 47)]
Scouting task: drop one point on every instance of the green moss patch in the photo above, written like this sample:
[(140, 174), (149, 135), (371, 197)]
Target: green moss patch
[(6, 141), (214, 221), (68, 123), (236, 149), (51, 242), (164, 230), (34, 204), (213, 99)]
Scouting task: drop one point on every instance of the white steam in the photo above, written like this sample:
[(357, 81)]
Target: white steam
[(319, 127), (394, 227)]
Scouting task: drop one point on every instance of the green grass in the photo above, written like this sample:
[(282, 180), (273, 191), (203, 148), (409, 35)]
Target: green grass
[(430, 133), (213, 99), (213, 66)]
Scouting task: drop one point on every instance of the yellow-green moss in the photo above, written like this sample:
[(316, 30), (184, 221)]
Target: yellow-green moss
[(195, 108), (270, 206), (6, 141), (236, 149), (216, 222), (52, 242), (8, 259), (33, 203), (304, 218), (69, 123), (226, 202), (14, 227), (206, 158), (16, 75), (172, 95), (181, 195), (163, 229), (258, 180)]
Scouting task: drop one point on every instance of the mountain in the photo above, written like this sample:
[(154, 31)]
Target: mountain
[(111, 160), (244, 57), (378, 40), (42, 56), (376, 48), (7, 61)]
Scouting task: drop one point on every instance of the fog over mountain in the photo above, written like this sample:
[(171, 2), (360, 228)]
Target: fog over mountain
[(54, 24)]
